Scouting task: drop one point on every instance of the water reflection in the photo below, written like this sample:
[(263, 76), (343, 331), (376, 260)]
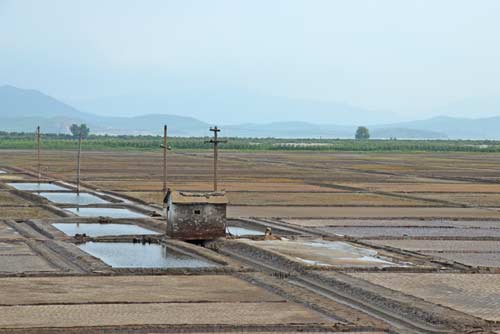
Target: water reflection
[(239, 231), (130, 255), (35, 186), (73, 198), (106, 212), (98, 230)]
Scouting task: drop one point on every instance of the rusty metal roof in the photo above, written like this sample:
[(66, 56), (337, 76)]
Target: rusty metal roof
[(184, 197)]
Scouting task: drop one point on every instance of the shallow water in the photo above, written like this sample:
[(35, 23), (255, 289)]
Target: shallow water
[(106, 212), (311, 262), (130, 255), (35, 186), (327, 253), (98, 230), (363, 254), (73, 198), (239, 231)]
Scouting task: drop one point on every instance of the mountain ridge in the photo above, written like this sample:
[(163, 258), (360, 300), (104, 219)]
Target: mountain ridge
[(21, 110)]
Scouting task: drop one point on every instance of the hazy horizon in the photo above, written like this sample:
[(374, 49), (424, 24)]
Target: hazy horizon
[(391, 60)]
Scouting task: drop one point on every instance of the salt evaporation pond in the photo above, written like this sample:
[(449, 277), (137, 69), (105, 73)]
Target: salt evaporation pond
[(35, 186), (130, 255), (73, 198), (99, 230), (106, 212), (325, 253), (239, 231), (351, 252)]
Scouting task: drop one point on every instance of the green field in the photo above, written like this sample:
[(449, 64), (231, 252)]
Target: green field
[(152, 143)]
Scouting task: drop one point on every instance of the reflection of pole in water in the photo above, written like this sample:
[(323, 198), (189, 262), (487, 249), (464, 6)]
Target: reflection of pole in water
[(164, 251)]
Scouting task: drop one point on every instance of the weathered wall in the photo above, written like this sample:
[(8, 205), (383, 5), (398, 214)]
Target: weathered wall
[(184, 223)]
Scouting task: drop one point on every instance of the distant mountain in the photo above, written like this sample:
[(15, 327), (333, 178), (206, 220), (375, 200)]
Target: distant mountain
[(457, 128), (149, 125), (16, 102), (23, 110), (289, 130), (405, 133), (233, 106), (308, 130)]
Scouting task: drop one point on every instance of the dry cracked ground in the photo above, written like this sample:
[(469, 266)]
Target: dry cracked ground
[(363, 243)]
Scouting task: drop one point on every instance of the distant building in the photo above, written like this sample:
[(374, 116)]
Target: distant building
[(196, 215)]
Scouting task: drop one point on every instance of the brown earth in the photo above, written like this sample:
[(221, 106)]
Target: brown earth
[(455, 192)]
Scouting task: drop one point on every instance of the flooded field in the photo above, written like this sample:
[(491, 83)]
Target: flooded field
[(398, 215), (240, 231), (73, 198), (34, 186), (99, 230), (106, 212), (130, 255), (325, 253)]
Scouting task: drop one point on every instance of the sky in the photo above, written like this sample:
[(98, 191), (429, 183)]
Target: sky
[(412, 58)]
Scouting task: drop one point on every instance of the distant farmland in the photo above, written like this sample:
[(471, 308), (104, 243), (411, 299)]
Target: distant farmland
[(152, 143)]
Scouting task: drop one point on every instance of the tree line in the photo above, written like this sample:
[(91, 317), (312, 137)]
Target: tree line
[(14, 140)]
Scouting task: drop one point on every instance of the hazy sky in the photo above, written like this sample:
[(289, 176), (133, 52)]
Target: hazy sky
[(407, 56)]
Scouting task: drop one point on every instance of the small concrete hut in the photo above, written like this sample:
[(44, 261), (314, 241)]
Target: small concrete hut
[(196, 215)]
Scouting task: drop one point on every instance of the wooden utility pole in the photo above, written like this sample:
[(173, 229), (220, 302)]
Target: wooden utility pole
[(78, 162), (38, 153), (216, 142), (165, 149)]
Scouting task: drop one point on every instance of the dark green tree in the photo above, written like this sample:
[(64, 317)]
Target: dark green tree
[(362, 133), (76, 129)]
